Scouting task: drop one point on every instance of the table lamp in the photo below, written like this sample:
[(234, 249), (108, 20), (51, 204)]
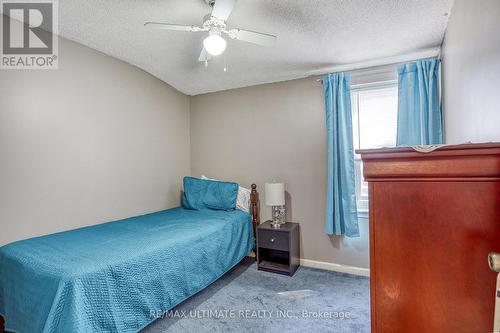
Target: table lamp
[(275, 197)]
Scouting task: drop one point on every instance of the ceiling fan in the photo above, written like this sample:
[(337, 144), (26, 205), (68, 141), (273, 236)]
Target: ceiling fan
[(215, 23)]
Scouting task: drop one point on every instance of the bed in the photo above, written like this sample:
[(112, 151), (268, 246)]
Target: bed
[(117, 276)]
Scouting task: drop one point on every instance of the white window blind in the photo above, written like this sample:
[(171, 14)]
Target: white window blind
[(374, 117)]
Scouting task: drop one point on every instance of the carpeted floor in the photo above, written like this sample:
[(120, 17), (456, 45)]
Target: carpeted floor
[(247, 300)]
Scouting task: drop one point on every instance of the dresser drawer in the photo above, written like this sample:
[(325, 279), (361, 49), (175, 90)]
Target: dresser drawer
[(271, 239)]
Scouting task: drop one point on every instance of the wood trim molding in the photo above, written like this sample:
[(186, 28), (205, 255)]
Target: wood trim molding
[(371, 227)]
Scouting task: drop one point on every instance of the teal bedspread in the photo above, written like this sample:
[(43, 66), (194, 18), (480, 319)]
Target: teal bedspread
[(111, 277)]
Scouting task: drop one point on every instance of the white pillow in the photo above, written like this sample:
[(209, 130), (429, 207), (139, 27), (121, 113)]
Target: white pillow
[(243, 199)]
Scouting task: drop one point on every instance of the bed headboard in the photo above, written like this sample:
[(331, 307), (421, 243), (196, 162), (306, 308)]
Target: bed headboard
[(255, 210)]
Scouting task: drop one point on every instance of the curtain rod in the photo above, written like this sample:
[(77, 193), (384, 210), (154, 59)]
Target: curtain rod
[(396, 60)]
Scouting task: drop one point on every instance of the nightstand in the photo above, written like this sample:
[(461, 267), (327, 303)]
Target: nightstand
[(278, 250)]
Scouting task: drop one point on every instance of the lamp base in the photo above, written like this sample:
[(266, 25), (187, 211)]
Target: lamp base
[(275, 225), (278, 216)]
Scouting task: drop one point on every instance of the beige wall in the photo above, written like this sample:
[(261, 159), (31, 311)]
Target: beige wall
[(99, 139), (471, 72), (275, 131), (95, 140)]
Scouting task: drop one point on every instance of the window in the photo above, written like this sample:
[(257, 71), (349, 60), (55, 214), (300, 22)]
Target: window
[(374, 120)]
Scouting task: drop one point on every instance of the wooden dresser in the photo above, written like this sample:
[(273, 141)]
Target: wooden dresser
[(434, 217)]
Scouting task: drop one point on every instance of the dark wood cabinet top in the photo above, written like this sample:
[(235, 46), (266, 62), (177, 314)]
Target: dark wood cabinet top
[(471, 162), (409, 149), (287, 227)]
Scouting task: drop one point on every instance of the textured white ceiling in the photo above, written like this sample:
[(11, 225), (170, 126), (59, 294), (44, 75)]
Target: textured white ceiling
[(312, 34)]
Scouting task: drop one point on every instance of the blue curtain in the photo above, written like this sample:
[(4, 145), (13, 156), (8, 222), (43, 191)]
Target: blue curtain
[(341, 210), (419, 109)]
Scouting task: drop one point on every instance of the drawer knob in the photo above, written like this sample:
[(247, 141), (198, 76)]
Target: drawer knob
[(272, 240)]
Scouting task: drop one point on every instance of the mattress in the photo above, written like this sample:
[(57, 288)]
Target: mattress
[(114, 276)]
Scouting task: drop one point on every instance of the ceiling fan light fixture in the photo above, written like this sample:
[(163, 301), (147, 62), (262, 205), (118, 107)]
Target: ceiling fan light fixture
[(215, 24), (214, 44)]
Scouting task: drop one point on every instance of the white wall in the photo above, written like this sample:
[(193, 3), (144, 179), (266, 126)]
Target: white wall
[(471, 72), (275, 131), (93, 141)]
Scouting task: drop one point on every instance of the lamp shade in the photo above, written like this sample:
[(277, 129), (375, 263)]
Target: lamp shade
[(275, 194)]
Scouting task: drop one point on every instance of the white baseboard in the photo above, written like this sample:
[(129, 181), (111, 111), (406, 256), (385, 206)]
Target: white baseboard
[(335, 267), (330, 266)]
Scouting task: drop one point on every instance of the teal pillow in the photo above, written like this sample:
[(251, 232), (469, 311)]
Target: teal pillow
[(201, 194)]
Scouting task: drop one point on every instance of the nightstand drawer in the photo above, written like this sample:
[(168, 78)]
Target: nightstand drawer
[(271, 239)]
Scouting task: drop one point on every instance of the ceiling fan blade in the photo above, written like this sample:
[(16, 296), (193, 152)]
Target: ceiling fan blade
[(204, 55), (168, 26), (223, 8), (254, 37)]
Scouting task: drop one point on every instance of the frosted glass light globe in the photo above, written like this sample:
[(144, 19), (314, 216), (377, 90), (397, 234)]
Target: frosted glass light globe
[(214, 44)]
